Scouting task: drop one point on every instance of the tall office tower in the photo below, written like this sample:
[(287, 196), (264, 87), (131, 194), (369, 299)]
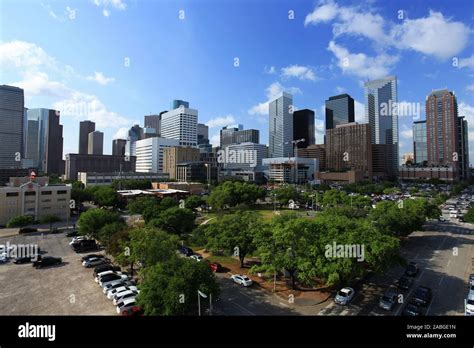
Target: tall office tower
[(303, 127), (203, 134), (281, 126), (44, 145), (153, 121), (96, 143), (150, 154), (174, 155), (85, 127), (180, 123), (380, 110), (463, 146), (227, 134), (134, 134), (339, 110), (177, 103), (420, 149), (12, 125), (348, 147), (118, 147)]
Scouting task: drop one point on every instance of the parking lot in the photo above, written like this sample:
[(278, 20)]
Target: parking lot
[(66, 289)]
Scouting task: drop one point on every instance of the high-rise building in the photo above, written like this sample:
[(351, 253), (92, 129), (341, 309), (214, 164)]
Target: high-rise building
[(134, 134), (150, 154), (178, 103), (77, 163), (442, 127), (177, 154), (153, 121), (181, 124), (420, 149), (281, 126), (44, 145), (118, 147), (339, 110), (382, 113), (463, 147), (85, 127), (317, 151), (202, 134), (303, 127), (12, 126), (96, 143), (236, 134)]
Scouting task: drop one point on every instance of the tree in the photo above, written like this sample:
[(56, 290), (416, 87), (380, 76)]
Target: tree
[(469, 216), (234, 233), (142, 204), (171, 287), (175, 220), (193, 202), (150, 246), (50, 219), (232, 193), (20, 221), (108, 231), (284, 193), (106, 196), (92, 221)]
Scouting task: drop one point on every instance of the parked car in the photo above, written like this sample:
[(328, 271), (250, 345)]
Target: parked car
[(116, 284), (20, 260), (470, 303), (215, 267), (27, 230), (132, 311), (123, 295), (3, 257), (197, 257), (412, 269), (241, 279), (87, 257), (388, 300), (106, 267), (72, 234), (94, 261), (47, 261), (403, 283), (471, 279), (85, 245), (411, 310), (344, 296), (76, 240), (110, 278), (422, 296), (185, 250), (112, 292), (125, 305)]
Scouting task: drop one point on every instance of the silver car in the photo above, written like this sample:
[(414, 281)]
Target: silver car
[(344, 296)]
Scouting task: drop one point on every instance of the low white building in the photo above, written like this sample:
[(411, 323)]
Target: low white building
[(150, 154), (283, 169)]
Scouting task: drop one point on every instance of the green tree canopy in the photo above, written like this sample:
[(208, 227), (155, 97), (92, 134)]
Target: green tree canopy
[(20, 221), (92, 221), (175, 220)]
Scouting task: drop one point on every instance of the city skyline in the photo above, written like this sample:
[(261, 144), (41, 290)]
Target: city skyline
[(116, 96)]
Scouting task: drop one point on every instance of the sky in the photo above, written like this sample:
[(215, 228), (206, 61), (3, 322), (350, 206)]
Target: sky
[(114, 61)]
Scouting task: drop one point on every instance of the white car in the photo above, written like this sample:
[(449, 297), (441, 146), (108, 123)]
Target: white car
[(197, 257), (101, 274), (123, 295), (76, 239), (3, 257), (125, 303), (344, 296), (112, 292), (107, 280), (241, 279), (470, 303), (117, 284), (93, 261)]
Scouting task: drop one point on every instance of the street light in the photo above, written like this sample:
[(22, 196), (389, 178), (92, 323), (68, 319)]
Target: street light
[(201, 294)]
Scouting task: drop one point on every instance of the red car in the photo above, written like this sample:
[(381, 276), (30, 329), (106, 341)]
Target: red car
[(133, 311), (216, 267)]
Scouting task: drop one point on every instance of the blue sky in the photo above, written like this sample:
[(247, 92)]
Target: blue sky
[(113, 61)]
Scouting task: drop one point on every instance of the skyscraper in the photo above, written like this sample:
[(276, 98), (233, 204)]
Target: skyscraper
[(12, 125), (281, 126), (44, 145), (203, 134), (153, 121), (236, 134), (85, 127), (134, 134), (177, 103), (118, 147), (420, 148), (339, 110), (303, 127), (181, 124), (381, 111), (96, 143)]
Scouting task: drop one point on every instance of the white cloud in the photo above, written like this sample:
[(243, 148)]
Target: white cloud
[(432, 35), (298, 71), (340, 89), (466, 62), (470, 88), (106, 5), (271, 92), (361, 65), (36, 83), (269, 70), (215, 140), (20, 54), (407, 132), (121, 133), (100, 78), (221, 121)]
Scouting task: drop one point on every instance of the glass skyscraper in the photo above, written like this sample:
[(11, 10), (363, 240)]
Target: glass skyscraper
[(419, 142), (12, 124), (339, 110), (281, 126)]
